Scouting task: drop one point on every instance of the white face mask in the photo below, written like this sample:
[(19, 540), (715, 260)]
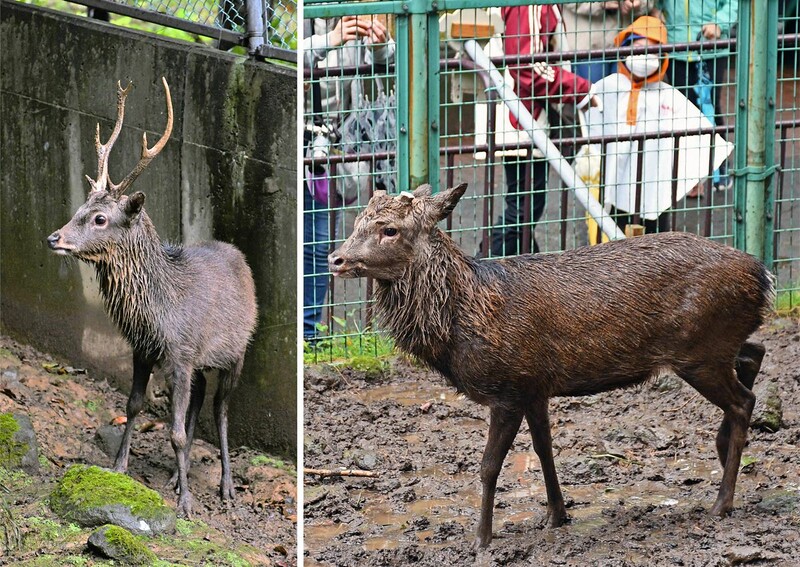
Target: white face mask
[(642, 65)]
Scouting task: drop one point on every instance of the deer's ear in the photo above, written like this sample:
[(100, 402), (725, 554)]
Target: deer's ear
[(134, 204), (444, 202)]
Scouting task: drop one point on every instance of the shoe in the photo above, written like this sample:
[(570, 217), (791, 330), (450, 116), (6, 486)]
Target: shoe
[(724, 185)]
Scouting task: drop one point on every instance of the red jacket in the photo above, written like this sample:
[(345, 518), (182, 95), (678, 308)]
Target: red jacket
[(539, 83)]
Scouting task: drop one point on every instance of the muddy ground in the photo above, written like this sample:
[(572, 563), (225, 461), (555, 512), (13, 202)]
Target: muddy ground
[(638, 469), (67, 407)]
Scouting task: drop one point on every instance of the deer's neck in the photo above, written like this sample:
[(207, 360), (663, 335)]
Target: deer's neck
[(438, 293), (138, 277)]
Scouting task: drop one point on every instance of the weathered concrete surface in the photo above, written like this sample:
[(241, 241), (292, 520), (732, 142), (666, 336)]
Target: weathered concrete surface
[(228, 172)]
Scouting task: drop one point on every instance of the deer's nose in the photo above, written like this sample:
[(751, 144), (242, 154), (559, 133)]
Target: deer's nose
[(335, 260), (53, 239)]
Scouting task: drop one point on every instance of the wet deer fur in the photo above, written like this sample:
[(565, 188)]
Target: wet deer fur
[(511, 333), (185, 309)]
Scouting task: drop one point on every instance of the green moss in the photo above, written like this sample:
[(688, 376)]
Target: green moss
[(184, 527), (14, 479), (372, 367), (11, 450), (49, 530), (90, 487), (131, 548), (266, 460), (204, 552)]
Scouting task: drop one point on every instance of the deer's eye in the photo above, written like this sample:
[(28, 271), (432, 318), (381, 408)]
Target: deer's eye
[(389, 231), (100, 220)]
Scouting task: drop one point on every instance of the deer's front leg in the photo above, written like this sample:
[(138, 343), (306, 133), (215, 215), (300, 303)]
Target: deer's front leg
[(503, 427), (141, 376), (181, 393)]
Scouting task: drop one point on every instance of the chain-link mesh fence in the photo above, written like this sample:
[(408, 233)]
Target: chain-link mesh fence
[(262, 27)]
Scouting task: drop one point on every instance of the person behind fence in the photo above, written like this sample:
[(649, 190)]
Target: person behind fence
[(594, 25), (341, 42), (636, 100), (705, 20), (530, 30)]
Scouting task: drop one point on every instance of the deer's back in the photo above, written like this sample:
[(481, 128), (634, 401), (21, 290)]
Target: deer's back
[(214, 313), (593, 319)]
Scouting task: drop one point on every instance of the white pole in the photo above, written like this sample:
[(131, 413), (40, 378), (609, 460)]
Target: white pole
[(544, 144)]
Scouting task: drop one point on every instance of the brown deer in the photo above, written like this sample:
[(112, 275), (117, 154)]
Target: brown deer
[(185, 309), (512, 333)]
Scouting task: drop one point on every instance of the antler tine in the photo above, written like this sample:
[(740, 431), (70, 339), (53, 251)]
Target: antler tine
[(147, 154), (103, 150)]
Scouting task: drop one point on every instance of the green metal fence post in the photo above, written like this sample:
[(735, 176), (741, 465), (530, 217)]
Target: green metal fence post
[(418, 99), (756, 74), (402, 57), (434, 76)]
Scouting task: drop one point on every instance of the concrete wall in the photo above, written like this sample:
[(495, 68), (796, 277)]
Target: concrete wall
[(228, 173)]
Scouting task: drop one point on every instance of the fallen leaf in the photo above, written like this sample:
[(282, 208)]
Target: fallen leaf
[(155, 425)]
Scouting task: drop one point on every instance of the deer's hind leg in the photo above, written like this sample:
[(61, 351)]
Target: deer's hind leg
[(720, 385), (196, 399), (227, 381), (141, 376), (748, 364)]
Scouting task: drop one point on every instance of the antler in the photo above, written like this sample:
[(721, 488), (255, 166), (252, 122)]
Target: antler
[(103, 180), (103, 150)]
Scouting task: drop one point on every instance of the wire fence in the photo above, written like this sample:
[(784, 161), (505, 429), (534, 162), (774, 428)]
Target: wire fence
[(266, 28), (669, 161)]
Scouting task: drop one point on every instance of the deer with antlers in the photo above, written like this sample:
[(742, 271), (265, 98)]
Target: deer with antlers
[(185, 309)]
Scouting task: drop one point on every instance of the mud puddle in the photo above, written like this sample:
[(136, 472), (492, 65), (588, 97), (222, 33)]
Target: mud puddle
[(638, 469)]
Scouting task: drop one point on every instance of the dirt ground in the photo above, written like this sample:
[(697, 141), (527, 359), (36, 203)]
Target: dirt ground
[(67, 407), (638, 469)]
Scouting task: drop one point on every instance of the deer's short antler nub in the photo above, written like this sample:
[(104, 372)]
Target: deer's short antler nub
[(103, 182)]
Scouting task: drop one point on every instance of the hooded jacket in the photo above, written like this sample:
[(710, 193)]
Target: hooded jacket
[(645, 177), (530, 30), (650, 28)]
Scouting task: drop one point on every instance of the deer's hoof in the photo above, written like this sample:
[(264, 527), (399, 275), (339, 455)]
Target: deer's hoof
[(483, 538), (556, 519), (185, 506), (172, 483), (720, 509)]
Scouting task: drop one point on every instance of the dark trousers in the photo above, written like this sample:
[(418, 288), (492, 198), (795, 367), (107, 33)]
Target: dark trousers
[(507, 237)]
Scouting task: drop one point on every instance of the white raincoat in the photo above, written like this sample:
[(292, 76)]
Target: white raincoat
[(663, 109)]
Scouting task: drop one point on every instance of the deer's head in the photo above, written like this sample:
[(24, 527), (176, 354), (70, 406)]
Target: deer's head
[(108, 213), (391, 231)]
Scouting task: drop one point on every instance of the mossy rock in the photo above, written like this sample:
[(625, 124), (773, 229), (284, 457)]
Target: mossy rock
[(121, 545), (768, 412), (372, 367), (18, 448), (91, 496)]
